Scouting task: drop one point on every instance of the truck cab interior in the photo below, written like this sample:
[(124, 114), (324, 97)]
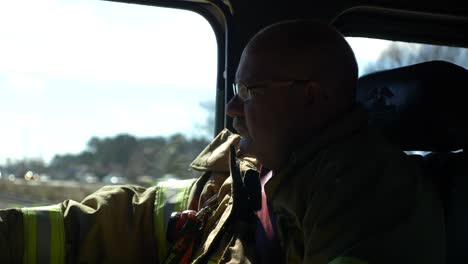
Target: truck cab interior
[(420, 107)]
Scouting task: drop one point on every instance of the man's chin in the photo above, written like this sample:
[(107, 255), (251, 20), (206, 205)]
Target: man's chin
[(246, 146)]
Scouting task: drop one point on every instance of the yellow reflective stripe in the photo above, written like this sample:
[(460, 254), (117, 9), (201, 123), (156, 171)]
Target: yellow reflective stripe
[(170, 196), (348, 260), (181, 200), (44, 235), (159, 226), (30, 231)]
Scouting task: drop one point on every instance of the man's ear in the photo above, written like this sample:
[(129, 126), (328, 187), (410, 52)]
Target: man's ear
[(312, 92)]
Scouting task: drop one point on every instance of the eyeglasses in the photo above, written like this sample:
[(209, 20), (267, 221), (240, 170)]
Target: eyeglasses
[(244, 92)]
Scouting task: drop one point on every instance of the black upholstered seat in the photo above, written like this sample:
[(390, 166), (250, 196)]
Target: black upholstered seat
[(423, 107)]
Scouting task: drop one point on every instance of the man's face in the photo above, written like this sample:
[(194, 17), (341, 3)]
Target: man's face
[(265, 121)]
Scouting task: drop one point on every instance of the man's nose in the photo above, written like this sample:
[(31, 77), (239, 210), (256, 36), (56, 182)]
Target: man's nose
[(235, 107)]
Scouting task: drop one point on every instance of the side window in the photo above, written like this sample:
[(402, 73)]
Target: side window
[(96, 92), (377, 54)]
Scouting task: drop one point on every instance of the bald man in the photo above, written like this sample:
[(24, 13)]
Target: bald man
[(338, 191)]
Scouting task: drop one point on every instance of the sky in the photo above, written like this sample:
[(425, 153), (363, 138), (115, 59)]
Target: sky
[(366, 50)]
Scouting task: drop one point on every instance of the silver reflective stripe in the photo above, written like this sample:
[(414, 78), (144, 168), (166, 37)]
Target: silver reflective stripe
[(348, 260), (44, 235), (171, 196)]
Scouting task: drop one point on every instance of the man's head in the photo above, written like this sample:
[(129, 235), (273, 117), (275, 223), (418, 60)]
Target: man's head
[(299, 76)]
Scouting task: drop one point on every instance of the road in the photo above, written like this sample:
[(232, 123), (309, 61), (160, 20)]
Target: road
[(11, 200), (22, 194)]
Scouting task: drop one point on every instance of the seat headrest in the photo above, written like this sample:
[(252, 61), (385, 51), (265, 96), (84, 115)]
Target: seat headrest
[(420, 107)]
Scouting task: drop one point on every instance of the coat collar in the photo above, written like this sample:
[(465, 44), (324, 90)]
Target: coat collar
[(345, 126)]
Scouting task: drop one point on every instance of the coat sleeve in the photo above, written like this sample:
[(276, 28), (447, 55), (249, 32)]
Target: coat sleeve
[(124, 224), (11, 236)]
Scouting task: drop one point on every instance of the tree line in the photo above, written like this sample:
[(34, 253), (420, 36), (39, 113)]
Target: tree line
[(399, 54), (123, 155)]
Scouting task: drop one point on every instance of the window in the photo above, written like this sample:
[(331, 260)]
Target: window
[(96, 92), (377, 54)]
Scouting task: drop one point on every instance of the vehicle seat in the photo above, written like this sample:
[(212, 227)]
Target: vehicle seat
[(422, 108)]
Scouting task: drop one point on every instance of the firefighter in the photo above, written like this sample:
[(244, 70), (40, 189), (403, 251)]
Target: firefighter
[(338, 190)]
